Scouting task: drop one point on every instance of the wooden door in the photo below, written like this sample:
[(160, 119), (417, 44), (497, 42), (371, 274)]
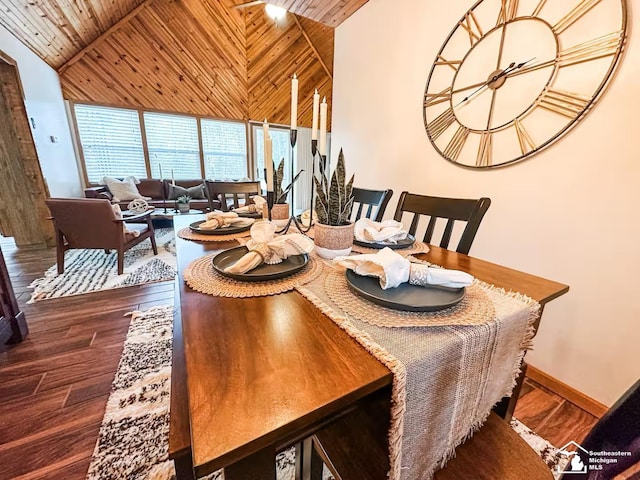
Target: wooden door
[(23, 213)]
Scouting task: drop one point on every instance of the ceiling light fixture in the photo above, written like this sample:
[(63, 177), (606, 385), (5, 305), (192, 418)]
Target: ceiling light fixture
[(275, 12)]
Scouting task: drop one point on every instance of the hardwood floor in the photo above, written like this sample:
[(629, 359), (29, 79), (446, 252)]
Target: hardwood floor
[(54, 386)]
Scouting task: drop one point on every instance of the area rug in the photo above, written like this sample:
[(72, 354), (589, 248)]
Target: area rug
[(134, 435), (92, 270)]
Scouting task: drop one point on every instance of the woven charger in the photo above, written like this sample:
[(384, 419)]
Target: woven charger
[(189, 234), (201, 276), (475, 308)]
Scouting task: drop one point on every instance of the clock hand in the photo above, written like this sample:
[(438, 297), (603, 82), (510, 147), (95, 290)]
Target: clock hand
[(511, 68), (486, 84)]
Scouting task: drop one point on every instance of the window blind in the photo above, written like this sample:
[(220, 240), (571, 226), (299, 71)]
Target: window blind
[(172, 141), (111, 142), (225, 149)]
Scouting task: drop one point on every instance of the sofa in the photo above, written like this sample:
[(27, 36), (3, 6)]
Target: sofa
[(154, 188)]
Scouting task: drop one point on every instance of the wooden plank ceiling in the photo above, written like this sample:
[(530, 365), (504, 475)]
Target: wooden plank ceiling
[(199, 57), (56, 30)]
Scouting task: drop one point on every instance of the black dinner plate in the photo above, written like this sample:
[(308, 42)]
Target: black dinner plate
[(404, 243), (264, 272), (411, 298), (218, 231)]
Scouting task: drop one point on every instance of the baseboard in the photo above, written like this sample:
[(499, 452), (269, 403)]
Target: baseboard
[(572, 395)]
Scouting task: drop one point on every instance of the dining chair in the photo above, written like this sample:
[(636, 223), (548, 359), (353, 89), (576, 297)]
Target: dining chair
[(92, 223), (231, 194), (349, 449), (452, 209), (370, 199)]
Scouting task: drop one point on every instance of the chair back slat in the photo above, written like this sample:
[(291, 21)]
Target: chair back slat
[(371, 199), (230, 193), (470, 211)]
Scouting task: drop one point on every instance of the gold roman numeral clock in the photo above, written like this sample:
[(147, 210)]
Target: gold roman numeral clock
[(514, 76)]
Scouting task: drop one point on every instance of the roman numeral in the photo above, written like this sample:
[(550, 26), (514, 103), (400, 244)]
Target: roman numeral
[(452, 152), (441, 123), (508, 11), (562, 102), (431, 99), (455, 64), (600, 47), (574, 15), (536, 11), (484, 151), (471, 25), (524, 139)]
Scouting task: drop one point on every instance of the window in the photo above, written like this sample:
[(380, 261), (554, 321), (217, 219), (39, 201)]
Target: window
[(111, 142), (112, 145), (225, 149), (173, 145), (281, 140)]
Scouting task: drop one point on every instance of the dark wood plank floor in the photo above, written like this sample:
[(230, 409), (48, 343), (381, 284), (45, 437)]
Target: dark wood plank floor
[(54, 386)]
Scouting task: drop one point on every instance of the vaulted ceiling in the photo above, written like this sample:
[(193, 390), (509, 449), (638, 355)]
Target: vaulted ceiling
[(59, 30)]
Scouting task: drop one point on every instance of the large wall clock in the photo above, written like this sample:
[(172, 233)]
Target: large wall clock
[(513, 76)]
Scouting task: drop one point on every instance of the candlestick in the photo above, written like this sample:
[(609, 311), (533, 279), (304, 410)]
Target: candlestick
[(322, 147), (294, 102), (314, 121)]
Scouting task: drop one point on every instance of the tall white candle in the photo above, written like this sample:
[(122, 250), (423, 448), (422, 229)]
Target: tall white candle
[(160, 167), (265, 136), (268, 163), (173, 180), (294, 102), (314, 121), (322, 144)]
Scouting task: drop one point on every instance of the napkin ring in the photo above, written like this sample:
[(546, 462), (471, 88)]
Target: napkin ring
[(263, 250)]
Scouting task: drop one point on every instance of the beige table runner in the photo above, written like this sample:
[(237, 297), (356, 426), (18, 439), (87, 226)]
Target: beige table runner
[(446, 378)]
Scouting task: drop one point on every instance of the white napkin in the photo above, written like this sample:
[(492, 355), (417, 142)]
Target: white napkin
[(393, 269), (265, 247), (255, 207), (218, 219), (389, 231)]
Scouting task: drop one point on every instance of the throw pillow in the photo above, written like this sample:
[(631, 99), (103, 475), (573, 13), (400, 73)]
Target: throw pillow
[(123, 190), (196, 193)]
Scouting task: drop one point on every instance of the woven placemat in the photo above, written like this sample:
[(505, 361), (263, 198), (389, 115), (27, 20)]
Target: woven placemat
[(201, 276), (475, 308), (189, 234), (417, 247)]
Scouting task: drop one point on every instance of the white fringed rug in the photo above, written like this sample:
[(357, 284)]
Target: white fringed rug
[(134, 435), (92, 270)]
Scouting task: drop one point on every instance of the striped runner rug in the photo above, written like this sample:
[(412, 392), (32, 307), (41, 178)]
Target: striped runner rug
[(93, 270), (134, 436)]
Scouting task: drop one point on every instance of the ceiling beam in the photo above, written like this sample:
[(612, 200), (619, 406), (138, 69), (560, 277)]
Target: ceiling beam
[(313, 47), (103, 36)]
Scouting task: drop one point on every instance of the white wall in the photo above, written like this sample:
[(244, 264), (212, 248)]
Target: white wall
[(45, 105), (567, 214)]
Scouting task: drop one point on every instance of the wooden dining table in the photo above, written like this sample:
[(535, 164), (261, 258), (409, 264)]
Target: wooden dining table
[(252, 376)]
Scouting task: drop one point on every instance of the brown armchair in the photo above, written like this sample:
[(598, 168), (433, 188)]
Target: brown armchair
[(92, 223)]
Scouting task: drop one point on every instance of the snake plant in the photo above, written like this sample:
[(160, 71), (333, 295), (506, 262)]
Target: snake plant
[(334, 199)]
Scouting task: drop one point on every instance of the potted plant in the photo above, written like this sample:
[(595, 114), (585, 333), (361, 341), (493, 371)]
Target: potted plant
[(333, 232), (183, 203), (280, 208)]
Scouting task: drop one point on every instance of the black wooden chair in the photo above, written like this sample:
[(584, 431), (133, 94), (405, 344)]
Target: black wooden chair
[(352, 449), (231, 194), (364, 198), (451, 209)]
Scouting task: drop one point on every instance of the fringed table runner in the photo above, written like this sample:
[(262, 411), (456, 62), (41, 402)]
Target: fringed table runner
[(449, 367), (189, 234), (201, 276)]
